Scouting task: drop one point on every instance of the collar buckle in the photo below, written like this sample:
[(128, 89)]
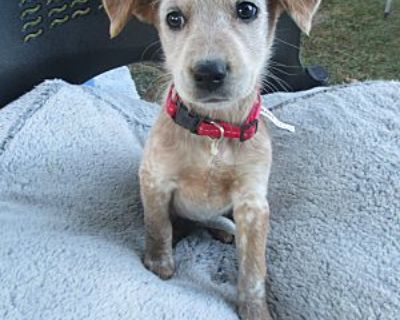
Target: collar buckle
[(245, 127), (186, 119)]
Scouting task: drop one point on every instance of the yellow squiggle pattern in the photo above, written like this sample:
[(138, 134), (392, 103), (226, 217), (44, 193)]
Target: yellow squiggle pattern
[(32, 23), (31, 10), (80, 13), (32, 36), (57, 10), (59, 21), (78, 2)]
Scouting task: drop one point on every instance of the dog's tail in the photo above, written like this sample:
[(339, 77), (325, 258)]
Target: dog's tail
[(221, 223)]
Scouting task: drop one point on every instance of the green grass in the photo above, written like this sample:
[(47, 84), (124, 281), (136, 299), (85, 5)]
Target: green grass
[(354, 42)]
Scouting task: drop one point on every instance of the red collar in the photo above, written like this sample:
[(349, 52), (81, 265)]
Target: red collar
[(205, 126)]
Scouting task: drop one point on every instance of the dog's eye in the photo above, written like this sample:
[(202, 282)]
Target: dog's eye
[(247, 11), (175, 20)]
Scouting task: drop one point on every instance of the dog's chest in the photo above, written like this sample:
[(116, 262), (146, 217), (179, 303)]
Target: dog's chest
[(204, 186)]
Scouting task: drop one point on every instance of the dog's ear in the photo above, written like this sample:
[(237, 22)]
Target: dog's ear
[(121, 11), (302, 12)]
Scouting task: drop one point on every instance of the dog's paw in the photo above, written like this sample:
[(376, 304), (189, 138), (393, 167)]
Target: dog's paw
[(254, 311), (163, 266)]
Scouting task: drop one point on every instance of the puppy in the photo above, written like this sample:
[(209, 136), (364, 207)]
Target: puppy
[(208, 154)]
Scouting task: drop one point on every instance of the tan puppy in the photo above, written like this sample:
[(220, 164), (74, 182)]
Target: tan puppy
[(217, 52)]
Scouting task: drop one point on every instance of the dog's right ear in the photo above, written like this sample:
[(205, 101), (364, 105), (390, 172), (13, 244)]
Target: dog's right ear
[(121, 11), (302, 12)]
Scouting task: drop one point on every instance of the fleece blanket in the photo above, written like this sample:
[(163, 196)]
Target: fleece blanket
[(71, 229)]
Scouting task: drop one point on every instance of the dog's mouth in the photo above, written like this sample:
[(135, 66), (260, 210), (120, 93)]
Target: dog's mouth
[(220, 96), (212, 100)]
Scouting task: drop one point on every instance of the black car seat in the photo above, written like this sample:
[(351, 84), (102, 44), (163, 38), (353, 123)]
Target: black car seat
[(68, 39)]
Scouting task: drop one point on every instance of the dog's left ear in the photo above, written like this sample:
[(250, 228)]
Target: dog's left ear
[(121, 11), (302, 12)]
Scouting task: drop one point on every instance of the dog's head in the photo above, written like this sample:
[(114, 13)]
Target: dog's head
[(216, 50)]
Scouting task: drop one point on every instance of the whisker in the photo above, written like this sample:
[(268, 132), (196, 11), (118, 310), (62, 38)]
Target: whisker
[(277, 78), (286, 86), (272, 62), (271, 87), (151, 45), (287, 43), (157, 53), (283, 84), (282, 71)]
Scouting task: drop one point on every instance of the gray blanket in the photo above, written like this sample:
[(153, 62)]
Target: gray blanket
[(71, 230)]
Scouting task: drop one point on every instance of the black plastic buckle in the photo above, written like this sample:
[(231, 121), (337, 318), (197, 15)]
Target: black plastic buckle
[(186, 119), (244, 127)]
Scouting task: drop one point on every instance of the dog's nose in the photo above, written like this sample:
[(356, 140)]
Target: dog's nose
[(210, 75)]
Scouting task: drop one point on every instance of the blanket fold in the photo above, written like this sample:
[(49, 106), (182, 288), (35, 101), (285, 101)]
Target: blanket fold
[(71, 219)]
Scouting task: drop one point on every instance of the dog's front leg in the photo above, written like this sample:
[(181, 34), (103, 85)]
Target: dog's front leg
[(158, 228), (251, 214)]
